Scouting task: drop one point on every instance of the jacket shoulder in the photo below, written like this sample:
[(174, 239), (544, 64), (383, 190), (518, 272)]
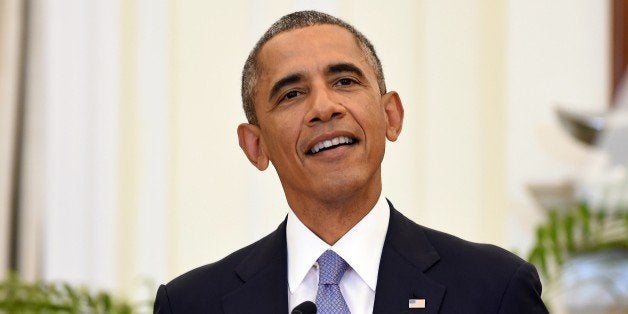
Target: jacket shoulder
[(201, 289), (476, 271), (478, 277), (456, 249), (215, 274)]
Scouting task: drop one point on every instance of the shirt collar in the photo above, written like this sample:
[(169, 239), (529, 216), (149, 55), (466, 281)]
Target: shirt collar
[(361, 247)]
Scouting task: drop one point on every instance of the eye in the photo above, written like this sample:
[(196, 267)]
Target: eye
[(345, 81), (291, 94)]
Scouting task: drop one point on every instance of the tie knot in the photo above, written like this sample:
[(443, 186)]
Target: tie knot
[(331, 268)]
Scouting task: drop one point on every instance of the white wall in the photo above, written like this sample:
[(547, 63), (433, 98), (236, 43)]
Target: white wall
[(558, 54), (69, 228), (10, 30)]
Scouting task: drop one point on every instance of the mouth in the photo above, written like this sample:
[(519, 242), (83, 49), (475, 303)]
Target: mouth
[(331, 144)]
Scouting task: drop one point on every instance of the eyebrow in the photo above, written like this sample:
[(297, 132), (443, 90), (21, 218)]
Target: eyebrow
[(344, 67), (287, 80)]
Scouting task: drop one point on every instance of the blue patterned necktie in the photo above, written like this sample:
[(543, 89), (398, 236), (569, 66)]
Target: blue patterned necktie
[(331, 268)]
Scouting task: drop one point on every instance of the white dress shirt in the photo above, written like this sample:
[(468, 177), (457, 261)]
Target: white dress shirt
[(361, 248)]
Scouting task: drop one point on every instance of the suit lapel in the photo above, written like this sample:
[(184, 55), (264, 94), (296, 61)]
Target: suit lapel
[(264, 276), (406, 256)]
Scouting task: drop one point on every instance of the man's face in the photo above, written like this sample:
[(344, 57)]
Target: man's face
[(322, 121)]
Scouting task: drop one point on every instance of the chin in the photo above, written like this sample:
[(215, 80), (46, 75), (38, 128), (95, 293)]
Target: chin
[(338, 187)]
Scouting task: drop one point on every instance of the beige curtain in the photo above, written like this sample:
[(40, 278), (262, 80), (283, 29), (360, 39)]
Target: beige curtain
[(10, 30)]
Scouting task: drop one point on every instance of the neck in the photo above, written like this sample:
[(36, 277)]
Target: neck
[(331, 218)]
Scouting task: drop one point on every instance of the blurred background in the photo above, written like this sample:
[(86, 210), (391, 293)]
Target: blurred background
[(119, 160)]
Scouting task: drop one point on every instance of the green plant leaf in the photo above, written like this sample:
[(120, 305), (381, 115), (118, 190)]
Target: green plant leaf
[(17, 296)]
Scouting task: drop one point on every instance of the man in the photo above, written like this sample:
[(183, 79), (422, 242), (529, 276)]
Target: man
[(316, 101)]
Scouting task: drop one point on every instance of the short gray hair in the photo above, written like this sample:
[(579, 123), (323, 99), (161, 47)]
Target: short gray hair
[(296, 20)]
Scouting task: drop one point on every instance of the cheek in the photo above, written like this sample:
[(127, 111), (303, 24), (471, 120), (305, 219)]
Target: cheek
[(371, 117), (281, 139)]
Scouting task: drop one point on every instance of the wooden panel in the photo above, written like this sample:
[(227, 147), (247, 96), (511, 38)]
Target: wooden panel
[(619, 42)]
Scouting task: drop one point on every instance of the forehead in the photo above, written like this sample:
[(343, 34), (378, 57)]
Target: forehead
[(309, 49)]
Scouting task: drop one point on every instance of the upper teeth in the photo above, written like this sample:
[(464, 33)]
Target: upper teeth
[(329, 143)]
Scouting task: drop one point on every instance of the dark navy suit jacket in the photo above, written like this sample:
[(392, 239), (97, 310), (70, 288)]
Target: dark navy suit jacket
[(452, 275)]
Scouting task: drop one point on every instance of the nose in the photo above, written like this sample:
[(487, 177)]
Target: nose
[(324, 106)]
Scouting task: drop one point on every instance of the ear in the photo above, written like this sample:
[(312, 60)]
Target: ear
[(394, 115), (249, 136)]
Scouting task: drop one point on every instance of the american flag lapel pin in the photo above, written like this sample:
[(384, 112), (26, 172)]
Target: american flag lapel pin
[(416, 303)]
